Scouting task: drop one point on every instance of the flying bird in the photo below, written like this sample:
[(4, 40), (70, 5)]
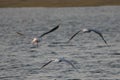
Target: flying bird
[(88, 31), (36, 40), (60, 60)]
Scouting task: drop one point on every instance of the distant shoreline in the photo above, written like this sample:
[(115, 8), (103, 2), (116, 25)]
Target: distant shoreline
[(57, 3)]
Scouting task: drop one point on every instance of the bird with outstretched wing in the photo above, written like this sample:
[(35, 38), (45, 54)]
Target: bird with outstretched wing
[(59, 60), (88, 31)]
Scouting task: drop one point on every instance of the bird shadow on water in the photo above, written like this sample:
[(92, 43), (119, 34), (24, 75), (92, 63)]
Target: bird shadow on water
[(8, 77), (102, 46), (59, 42), (54, 44), (115, 53)]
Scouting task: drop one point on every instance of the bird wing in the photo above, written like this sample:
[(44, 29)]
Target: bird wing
[(74, 35), (46, 64), (19, 33), (71, 65), (55, 28), (100, 34)]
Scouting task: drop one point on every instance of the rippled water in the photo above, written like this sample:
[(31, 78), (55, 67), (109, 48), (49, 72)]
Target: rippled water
[(20, 61)]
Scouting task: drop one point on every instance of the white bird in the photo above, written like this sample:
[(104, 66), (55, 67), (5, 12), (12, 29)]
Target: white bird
[(60, 60), (88, 31), (36, 40)]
